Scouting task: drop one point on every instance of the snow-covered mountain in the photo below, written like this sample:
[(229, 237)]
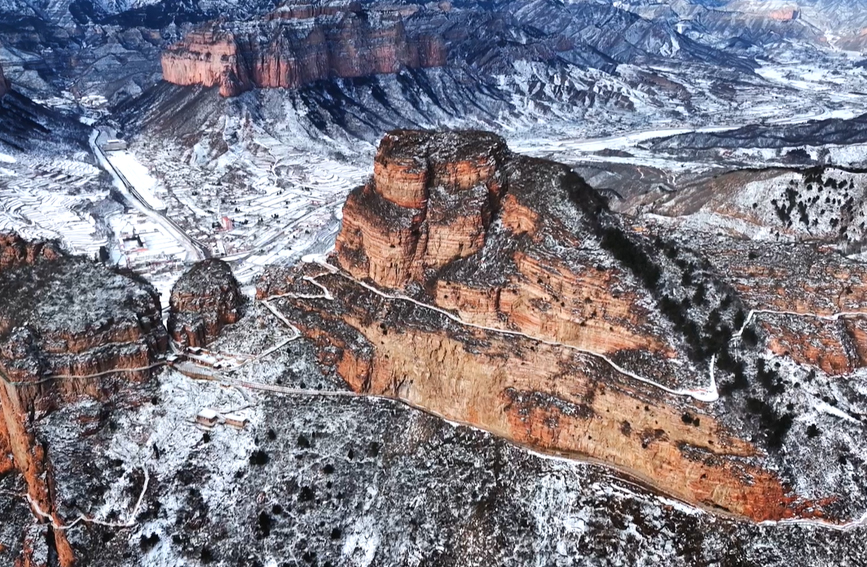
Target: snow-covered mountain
[(730, 136), (745, 24)]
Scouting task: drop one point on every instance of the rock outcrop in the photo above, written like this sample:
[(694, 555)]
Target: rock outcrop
[(16, 252), (204, 300), (68, 327), (68, 317), (498, 290), (422, 210), (298, 45), (4, 83)]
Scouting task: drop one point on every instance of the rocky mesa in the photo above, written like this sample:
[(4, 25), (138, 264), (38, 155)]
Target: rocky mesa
[(204, 300), (498, 290), (298, 45), (68, 328), (66, 317)]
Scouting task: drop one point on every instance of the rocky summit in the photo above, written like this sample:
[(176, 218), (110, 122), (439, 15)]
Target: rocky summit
[(499, 291), (63, 316), (205, 299), (69, 329)]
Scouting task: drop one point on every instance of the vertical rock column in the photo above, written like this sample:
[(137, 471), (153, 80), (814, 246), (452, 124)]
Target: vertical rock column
[(31, 459), (430, 202), (204, 300)]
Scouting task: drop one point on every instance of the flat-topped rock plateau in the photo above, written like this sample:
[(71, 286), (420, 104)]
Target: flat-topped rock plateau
[(297, 45)]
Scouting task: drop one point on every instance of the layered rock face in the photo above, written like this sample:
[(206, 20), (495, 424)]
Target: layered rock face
[(68, 327), (205, 299), (812, 281), (497, 290), (424, 218), (430, 202), (67, 317), (516, 318), (296, 46), (16, 252)]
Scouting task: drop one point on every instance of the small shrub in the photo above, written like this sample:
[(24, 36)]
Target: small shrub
[(259, 458)]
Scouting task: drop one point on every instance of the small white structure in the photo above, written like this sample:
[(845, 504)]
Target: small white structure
[(114, 145), (236, 420), (207, 418)]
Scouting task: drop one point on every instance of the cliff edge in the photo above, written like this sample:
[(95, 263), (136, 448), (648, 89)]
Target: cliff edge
[(499, 291), (298, 45)]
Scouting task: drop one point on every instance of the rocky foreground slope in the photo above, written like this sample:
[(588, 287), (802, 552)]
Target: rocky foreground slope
[(297, 45), (482, 286), (69, 329), (499, 291)]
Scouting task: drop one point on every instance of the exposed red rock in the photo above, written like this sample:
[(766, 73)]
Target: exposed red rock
[(504, 282), (430, 204), (33, 463), (204, 300), (297, 45), (15, 251), (421, 211), (784, 14), (66, 316), (831, 284), (68, 327)]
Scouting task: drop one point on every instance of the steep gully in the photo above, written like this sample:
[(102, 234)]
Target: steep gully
[(33, 461)]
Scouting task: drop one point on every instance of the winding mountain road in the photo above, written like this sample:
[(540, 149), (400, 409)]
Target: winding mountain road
[(195, 250)]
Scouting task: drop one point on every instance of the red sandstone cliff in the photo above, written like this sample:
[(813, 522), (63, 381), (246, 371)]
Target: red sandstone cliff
[(16, 252), (68, 327), (295, 46), (204, 300), (498, 291), (430, 205)]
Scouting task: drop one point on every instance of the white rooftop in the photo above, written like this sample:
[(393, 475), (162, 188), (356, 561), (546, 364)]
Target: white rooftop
[(208, 413)]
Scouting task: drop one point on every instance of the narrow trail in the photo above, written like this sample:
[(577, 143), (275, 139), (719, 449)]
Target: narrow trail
[(52, 377), (834, 317), (708, 395), (130, 521)]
